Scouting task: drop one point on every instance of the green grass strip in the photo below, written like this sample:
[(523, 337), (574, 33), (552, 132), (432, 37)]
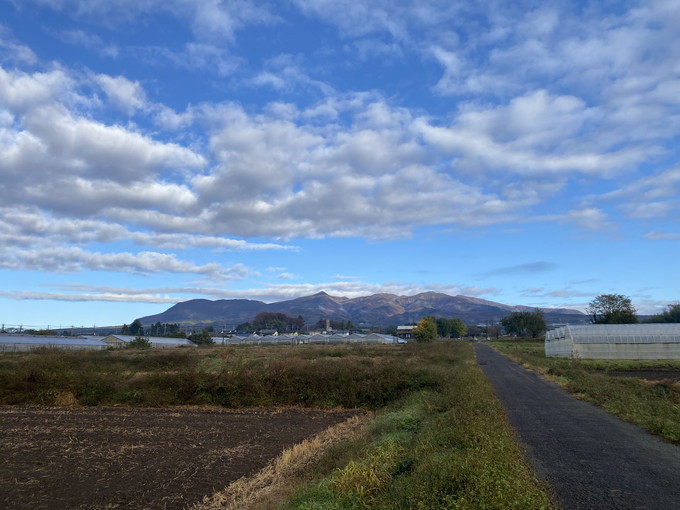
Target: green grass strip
[(450, 448)]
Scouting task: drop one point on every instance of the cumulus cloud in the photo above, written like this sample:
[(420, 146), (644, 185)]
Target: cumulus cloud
[(20, 226), (526, 124), (124, 94)]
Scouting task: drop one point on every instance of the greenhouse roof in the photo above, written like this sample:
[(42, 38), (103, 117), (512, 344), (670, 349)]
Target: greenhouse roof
[(48, 340)]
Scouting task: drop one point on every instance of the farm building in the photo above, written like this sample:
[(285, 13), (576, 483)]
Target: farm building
[(614, 341), (405, 332), (156, 341), (23, 343)]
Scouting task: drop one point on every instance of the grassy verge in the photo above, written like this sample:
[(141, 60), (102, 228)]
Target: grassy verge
[(449, 447), (653, 405)]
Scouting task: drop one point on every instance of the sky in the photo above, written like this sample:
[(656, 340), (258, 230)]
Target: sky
[(155, 151)]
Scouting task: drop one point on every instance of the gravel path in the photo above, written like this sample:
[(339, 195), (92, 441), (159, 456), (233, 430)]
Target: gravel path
[(591, 459)]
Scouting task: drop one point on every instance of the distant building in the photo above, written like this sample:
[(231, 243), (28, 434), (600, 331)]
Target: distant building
[(405, 332)]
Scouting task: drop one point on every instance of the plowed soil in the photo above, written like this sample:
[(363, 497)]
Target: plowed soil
[(650, 375), (127, 458)]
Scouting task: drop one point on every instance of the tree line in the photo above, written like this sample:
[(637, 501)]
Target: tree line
[(430, 327)]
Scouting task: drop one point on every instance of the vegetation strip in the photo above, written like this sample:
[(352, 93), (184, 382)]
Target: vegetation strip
[(651, 404), (445, 448)]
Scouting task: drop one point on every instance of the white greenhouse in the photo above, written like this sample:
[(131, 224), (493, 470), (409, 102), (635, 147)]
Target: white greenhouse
[(23, 343), (156, 341), (614, 341)]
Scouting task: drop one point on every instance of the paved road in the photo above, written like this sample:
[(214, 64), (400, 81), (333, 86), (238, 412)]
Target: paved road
[(591, 459)]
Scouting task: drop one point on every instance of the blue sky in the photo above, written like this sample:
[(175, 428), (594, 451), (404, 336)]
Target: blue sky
[(153, 151)]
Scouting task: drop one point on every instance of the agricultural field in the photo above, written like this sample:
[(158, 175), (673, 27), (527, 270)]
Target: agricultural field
[(645, 393), (415, 426), (114, 457)]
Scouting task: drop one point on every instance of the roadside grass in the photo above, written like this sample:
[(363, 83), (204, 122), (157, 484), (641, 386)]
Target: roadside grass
[(653, 405), (446, 447)]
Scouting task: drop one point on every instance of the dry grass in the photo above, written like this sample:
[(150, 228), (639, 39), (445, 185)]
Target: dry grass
[(277, 479)]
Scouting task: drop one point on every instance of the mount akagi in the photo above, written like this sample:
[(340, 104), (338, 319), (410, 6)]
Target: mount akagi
[(377, 310)]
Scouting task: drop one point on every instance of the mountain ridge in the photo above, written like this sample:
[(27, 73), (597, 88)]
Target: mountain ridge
[(374, 310)]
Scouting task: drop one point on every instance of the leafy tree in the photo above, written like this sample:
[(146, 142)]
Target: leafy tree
[(202, 338), (278, 321), (474, 331), (139, 342), (136, 328), (125, 330), (245, 327), (671, 314), (453, 328), (426, 330), (524, 323), (172, 330), (612, 309)]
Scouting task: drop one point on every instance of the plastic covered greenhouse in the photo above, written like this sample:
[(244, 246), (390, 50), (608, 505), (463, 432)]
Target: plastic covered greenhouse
[(614, 341), (22, 343)]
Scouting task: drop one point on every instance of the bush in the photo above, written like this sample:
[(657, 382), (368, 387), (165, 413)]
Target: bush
[(139, 342)]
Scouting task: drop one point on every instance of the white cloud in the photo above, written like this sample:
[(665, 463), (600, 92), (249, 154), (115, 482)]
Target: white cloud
[(286, 73), (587, 218), (20, 227), (84, 297), (73, 259), (195, 56), (89, 40), (209, 19), (651, 197), (286, 276), (124, 94), (13, 50)]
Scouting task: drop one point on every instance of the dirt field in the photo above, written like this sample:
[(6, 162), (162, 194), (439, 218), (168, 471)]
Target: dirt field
[(650, 375), (97, 458)]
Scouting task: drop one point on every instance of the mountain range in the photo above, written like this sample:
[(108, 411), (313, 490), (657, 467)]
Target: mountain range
[(376, 310)]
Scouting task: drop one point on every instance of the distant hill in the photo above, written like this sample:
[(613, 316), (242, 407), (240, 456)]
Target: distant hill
[(376, 310)]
